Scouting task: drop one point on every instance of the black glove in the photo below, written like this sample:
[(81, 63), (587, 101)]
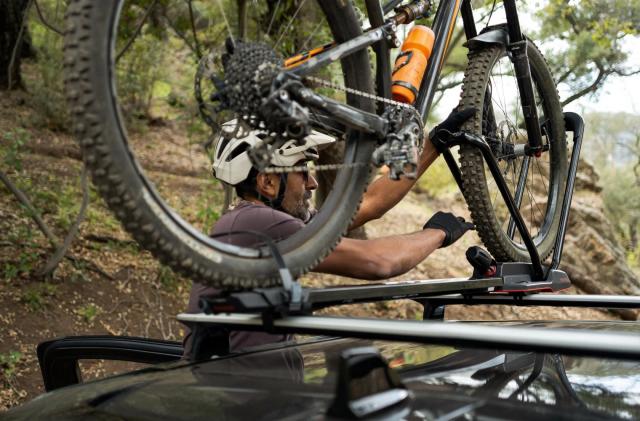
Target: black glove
[(453, 226), (451, 124)]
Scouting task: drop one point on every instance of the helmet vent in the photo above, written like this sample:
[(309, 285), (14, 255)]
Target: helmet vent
[(223, 144), (237, 151)]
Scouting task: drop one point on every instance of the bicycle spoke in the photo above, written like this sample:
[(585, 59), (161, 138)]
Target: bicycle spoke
[(289, 24), (305, 45), (542, 176), (273, 16), (226, 21), (136, 32)]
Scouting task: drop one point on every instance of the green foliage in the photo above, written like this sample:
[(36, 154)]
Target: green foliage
[(207, 207), (614, 149), (68, 206), (9, 362), (36, 296), (44, 77), (588, 40), (633, 258), (139, 69), (622, 204), (22, 234), (168, 279), (12, 145), (23, 266), (437, 181), (89, 312), (614, 139)]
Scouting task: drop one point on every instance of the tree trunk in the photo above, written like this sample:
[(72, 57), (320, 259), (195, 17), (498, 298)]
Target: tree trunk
[(633, 234), (11, 16)]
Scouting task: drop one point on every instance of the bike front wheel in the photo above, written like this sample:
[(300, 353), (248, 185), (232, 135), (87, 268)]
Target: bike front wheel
[(537, 183), (110, 48)]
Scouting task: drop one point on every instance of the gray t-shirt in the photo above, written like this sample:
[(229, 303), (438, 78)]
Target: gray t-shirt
[(246, 216)]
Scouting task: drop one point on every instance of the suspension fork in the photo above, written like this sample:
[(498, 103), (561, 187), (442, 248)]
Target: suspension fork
[(518, 50)]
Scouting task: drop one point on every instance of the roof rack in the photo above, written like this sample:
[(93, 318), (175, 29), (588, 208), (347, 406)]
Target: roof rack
[(565, 341), (544, 300)]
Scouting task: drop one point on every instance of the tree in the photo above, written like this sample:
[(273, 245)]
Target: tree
[(588, 41), (12, 30), (614, 148)]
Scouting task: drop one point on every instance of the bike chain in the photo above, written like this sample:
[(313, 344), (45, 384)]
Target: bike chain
[(315, 81), (329, 167)]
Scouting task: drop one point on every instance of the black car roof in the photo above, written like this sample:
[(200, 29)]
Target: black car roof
[(298, 381)]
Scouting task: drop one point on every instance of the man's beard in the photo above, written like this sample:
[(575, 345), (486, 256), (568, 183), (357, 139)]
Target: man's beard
[(302, 208)]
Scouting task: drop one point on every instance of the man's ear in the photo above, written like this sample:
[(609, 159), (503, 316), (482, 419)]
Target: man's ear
[(268, 184)]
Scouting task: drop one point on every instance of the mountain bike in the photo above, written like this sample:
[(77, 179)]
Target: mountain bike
[(285, 68)]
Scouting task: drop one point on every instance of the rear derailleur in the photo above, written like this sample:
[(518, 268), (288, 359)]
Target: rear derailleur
[(400, 147)]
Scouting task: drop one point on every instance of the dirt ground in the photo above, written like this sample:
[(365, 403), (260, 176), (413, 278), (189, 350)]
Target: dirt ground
[(113, 287)]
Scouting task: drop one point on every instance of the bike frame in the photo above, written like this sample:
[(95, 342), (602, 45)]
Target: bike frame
[(382, 35)]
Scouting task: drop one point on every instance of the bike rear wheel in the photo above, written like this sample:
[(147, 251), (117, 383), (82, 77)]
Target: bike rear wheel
[(96, 51), (491, 87)]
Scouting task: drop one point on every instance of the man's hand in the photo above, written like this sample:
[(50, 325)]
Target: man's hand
[(453, 226), (451, 125)]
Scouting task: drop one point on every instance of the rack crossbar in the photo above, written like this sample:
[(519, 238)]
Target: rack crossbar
[(546, 300), (545, 340)]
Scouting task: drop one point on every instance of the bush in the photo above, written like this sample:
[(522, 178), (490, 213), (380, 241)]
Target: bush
[(43, 75), (138, 72), (437, 181)]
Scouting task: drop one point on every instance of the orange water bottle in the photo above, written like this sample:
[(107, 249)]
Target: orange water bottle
[(411, 64)]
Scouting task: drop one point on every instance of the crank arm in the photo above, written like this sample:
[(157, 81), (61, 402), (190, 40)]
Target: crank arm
[(351, 117)]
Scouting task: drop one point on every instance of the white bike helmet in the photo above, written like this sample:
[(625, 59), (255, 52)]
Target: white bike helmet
[(231, 162)]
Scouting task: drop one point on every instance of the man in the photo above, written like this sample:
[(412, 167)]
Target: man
[(279, 205)]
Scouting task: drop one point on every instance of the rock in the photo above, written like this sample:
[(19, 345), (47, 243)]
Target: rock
[(593, 258)]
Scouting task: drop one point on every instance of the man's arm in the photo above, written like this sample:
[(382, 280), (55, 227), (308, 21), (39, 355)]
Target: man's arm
[(381, 258), (384, 193)]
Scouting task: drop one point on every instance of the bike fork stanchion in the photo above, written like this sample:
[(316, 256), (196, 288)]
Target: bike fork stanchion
[(518, 52), (575, 124)]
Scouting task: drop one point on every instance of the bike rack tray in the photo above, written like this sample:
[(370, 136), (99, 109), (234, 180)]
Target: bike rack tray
[(519, 278), (509, 278), (277, 300)]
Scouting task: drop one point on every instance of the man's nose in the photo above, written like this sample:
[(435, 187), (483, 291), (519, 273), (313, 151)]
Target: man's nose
[(311, 183)]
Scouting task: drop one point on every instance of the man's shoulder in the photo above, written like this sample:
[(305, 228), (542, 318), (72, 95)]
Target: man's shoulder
[(248, 209), (250, 216)]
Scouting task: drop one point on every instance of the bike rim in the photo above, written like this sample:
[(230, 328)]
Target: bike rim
[(197, 221), (533, 180)]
